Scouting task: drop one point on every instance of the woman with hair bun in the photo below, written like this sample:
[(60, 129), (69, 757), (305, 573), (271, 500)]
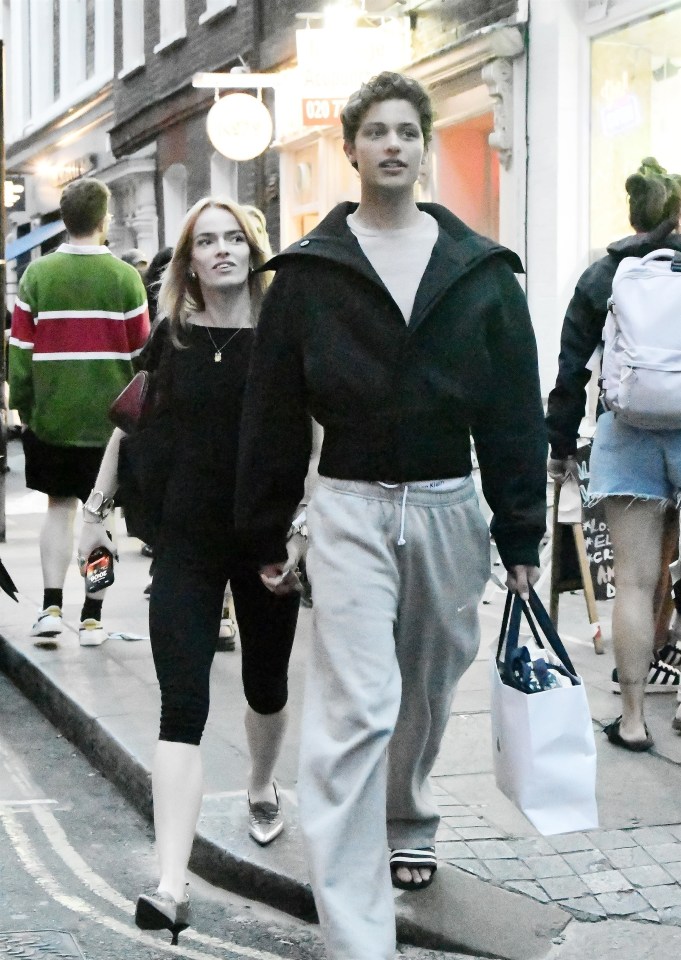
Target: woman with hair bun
[(201, 348), (636, 472)]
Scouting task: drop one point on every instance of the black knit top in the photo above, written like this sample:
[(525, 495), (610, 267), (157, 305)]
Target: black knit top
[(204, 399)]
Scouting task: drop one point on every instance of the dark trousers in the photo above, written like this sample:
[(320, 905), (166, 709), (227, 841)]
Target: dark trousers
[(184, 619)]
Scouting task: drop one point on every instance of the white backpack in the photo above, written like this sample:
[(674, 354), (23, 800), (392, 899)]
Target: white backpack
[(641, 373)]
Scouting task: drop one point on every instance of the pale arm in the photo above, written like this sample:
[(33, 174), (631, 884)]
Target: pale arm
[(93, 533)]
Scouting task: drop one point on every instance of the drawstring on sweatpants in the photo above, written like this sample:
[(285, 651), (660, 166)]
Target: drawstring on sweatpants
[(392, 486), (401, 541)]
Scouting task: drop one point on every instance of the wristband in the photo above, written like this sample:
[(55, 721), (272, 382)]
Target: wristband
[(298, 526), (98, 506)]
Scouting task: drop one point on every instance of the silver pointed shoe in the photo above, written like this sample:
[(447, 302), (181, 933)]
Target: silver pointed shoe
[(265, 821), (160, 911)]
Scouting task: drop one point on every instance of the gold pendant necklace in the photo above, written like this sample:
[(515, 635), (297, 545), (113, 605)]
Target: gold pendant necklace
[(217, 356)]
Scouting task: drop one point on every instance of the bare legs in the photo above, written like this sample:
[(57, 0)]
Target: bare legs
[(663, 603), (265, 734), (177, 782), (636, 528), (56, 540)]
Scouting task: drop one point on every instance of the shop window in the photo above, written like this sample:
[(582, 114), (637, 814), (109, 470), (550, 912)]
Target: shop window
[(174, 201), (224, 179), (172, 23), (41, 40), (104, 48), (133, 36), (71, 45), (635, 95), (215, 7), (466, 173)]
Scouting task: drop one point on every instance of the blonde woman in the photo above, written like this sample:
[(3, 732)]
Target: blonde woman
[(209, 296)]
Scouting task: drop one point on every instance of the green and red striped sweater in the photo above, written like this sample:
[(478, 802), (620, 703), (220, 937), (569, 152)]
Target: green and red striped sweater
[(79, 321)]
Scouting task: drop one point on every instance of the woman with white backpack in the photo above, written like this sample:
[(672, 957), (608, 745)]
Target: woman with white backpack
[(635, 469)]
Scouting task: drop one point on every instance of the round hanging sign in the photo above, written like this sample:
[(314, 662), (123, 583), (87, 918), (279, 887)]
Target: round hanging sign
[(239, 126)]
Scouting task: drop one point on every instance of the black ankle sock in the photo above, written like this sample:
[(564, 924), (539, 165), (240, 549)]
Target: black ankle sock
[(52, 597), (92, 609)]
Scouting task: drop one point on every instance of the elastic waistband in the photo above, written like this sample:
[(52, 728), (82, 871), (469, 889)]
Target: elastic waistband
[(440, 486), (420, 492)]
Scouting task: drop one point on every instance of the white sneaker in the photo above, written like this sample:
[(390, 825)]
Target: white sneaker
[(226, 635), (91, 633), (48, 624)]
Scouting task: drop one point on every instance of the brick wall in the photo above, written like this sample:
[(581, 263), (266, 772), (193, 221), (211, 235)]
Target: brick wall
[(443, 23), (147, 100)]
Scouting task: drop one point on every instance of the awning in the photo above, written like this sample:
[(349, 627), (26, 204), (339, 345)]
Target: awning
[(33, 239)]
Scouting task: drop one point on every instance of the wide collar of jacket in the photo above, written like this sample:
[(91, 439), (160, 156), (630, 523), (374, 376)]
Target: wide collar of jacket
[(457, 250)]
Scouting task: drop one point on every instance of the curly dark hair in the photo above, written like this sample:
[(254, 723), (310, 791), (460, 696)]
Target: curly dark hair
[(654, 196), (387, 86)]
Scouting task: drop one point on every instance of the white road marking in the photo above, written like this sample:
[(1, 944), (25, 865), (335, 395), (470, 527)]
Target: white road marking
[(25, 803), (59, 842)]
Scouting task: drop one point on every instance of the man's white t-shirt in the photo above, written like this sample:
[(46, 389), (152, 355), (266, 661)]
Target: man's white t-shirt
[(399, 257)]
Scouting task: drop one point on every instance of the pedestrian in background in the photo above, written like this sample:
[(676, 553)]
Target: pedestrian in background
[(154, 276), (209, 298), (137, 259), (637, 472), (80, 320), (152, 281), (402, 332)]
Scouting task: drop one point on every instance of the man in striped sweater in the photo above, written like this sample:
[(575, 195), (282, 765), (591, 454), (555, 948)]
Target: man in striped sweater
[(79, 321)]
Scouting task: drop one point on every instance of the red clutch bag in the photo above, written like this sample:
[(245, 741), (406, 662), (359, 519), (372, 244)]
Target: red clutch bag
[(129, 406)]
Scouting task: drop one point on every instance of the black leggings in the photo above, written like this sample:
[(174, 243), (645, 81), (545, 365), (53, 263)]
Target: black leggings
[(184, 619)]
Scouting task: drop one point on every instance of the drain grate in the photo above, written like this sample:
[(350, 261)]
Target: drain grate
[(29, 945)]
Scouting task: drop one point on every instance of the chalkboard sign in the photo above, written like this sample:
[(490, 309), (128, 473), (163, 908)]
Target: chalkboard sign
[(599, 549)]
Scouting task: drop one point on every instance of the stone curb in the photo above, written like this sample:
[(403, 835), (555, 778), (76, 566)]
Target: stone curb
[(498, 923)]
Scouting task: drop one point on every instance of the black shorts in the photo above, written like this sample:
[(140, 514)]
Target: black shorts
[(60, 471)]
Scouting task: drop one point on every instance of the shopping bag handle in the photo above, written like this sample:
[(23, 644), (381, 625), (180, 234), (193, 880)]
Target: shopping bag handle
[(510, 626), (534, 611), (548, 629)]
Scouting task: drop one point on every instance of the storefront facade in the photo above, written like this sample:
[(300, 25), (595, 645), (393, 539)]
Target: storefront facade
[(604, 79), (476, 79)]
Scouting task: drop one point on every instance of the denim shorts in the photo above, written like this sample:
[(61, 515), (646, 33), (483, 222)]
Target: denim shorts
[(631, 461)]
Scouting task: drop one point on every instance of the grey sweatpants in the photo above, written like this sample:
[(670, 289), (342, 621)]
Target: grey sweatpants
[(395, 627)]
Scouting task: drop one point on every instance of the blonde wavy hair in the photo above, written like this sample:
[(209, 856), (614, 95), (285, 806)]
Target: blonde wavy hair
[(180, 293)]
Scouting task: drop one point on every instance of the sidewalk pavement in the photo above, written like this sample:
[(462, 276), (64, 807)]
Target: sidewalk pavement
[(502, 890)]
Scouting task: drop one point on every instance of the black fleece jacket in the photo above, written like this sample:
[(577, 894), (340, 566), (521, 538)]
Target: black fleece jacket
[(583, 331), (397, 403)]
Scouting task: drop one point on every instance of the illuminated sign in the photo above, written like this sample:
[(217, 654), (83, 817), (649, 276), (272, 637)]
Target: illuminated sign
[(322, 111), (14, 193), (337, 61), (239, 126)]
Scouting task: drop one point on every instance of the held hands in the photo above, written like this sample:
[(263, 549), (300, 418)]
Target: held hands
[(282, 578), (561, 470), (520, 578)]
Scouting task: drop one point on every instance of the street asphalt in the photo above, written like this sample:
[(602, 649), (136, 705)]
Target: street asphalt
[(501, 891)]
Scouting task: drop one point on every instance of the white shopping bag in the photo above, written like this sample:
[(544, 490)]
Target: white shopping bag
[(543, 746)]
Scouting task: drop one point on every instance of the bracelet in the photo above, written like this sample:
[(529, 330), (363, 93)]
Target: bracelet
[(298, 526), (97, 505)]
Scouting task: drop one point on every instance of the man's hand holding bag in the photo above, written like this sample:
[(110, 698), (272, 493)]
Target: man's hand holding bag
[(542, 735)]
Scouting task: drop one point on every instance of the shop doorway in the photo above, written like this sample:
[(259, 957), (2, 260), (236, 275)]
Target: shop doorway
[(465, 176)]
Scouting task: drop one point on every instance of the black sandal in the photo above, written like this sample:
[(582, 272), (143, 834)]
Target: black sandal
[(421, 858), (612, 732)]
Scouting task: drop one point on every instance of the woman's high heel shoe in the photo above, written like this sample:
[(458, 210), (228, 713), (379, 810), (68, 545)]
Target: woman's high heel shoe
[(160, 911)]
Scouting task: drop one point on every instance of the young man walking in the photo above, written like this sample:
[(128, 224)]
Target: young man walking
[(403, 333), (79, 321)]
